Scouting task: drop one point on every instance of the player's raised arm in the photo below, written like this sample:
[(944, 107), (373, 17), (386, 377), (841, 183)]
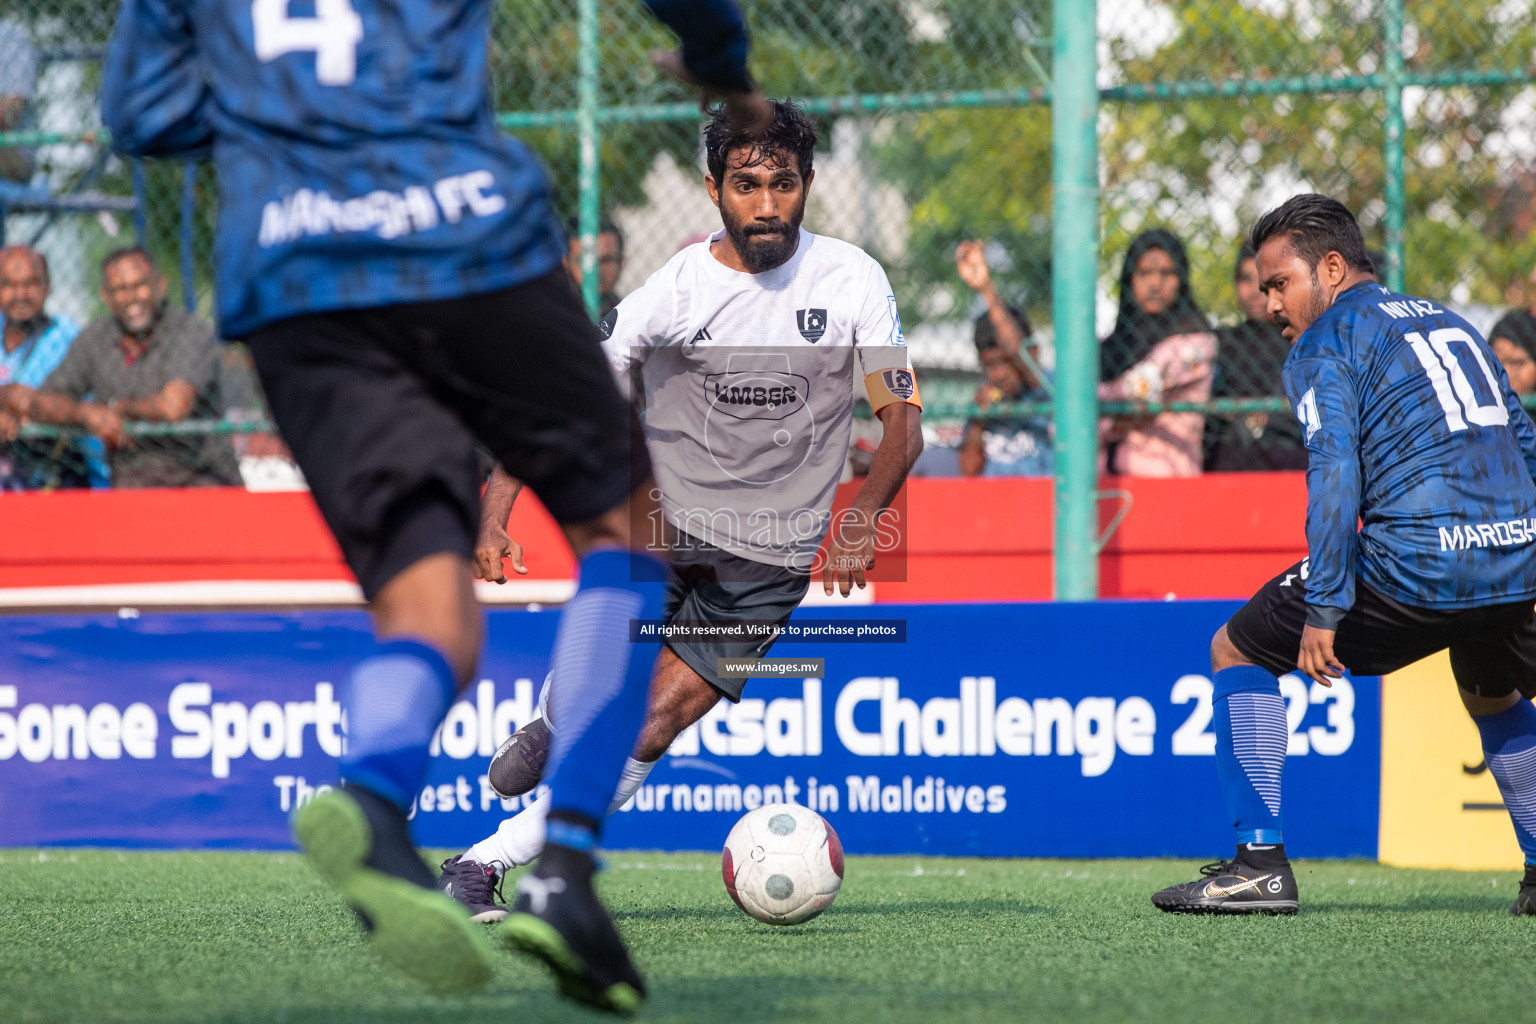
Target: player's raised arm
[(1322, 390), (714, 36), (713, 56), (154, 97)]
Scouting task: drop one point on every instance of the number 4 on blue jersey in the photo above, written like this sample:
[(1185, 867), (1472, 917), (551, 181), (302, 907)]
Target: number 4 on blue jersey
[(358, 157)]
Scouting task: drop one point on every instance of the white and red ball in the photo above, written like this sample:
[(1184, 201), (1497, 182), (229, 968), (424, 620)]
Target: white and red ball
[(782, 864)]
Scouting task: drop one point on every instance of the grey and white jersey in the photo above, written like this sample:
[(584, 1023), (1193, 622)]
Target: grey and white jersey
[(749, 387)]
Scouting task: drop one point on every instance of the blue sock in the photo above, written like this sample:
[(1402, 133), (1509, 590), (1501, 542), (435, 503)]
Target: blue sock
[(394, 701), (1509, 746), (601, 684), (1251, 737)]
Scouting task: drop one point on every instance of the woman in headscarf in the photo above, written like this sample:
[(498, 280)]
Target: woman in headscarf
[(1513, 340), (1161, 350)]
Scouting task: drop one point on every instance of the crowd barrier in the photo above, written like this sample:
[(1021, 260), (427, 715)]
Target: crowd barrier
[(982, 539), (993, 729)]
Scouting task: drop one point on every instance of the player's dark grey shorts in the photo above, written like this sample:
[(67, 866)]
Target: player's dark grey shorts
[(382, 408), (1493, 648), (711, 585)]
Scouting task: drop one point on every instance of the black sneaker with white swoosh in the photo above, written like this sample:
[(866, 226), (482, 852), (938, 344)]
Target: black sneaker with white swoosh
[(1233, 887)]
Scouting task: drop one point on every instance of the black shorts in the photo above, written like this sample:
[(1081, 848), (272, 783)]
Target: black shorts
[(712, 585), (1493, 648), (382, 408)]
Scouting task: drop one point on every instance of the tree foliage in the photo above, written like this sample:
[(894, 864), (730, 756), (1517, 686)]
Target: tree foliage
[(1208, 167), (1203, 167)]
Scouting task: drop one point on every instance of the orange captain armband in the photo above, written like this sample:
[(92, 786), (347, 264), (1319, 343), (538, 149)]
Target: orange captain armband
[(897, 384)]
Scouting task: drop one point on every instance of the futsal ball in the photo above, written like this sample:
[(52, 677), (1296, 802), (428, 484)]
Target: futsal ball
[(782, 864)]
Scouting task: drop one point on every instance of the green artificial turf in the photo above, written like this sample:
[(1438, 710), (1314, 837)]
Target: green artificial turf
[(94, 936)]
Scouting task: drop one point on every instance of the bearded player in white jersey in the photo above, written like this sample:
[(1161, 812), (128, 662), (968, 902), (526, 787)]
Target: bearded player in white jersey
[(750, 346)]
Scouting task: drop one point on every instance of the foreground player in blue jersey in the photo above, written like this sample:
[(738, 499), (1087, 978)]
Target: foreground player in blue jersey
[(1414, 433), (393, 263)]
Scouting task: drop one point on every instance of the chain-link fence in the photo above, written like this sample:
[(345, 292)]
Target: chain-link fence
[(936, 130)]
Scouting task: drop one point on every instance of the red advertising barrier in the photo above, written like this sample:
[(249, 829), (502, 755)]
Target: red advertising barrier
[(964, 539)]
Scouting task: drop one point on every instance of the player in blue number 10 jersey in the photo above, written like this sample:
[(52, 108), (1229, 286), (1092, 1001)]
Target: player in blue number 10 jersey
[(1421, 536), (393, 263)]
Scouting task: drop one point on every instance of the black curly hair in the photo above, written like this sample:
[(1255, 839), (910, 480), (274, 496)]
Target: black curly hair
[(790, 133)]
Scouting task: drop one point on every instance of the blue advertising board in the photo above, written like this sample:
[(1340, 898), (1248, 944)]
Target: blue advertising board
[(1060, 730)]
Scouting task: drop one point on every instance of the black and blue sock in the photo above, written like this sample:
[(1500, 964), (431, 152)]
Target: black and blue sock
[(1509, 746), (601, 683), (394, 700), (1251, 740)]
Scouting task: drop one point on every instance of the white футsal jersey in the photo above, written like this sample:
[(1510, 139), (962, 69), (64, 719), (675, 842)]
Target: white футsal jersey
[(749, 387)]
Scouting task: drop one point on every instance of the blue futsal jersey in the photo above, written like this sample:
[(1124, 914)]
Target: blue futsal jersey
[(358, 158), (1412, 431)]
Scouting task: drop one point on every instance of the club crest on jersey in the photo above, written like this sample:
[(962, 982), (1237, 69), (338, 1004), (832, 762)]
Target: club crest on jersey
[(812, 324), (899, 382)]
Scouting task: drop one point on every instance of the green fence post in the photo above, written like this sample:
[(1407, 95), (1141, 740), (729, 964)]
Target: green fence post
[(588, 184), (1074, 284), (1396, 197)]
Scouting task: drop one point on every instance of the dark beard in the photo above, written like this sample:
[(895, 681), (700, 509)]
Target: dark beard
[(1315, 308), (1319, 304), (760, 251)]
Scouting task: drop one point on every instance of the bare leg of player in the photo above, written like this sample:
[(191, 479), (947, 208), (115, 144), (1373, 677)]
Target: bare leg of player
[(434, 600), (679, 697)]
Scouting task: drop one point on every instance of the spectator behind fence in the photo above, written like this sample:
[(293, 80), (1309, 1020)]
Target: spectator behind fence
[(1513, 340), (610, 262), (1161, 350), (1010, 445), (151, 362), (32, 344), (1248, 361), (18, 80)]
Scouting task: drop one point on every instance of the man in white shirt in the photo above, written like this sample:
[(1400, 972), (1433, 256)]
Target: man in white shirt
[(747, 345)]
